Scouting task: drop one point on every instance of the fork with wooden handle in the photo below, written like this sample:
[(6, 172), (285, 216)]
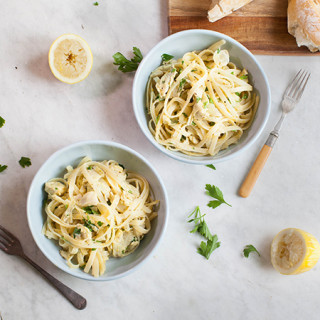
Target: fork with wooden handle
[(11, 245), (291, 97)]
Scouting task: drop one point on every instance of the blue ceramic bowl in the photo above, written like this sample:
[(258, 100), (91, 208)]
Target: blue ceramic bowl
[(177, 45), (96, 150)]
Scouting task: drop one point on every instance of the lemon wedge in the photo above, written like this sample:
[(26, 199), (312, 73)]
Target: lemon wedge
[(294, 251), (70, 58)]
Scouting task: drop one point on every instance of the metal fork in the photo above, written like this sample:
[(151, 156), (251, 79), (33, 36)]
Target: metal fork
[(291, 97), (11, 245)]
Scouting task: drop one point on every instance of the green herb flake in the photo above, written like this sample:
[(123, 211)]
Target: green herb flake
[(123, 251), (3, 167), (244, 77), (205, 104), (66, 206), (89, 210), (193, 123), (100, 223), (206, 249), (96, 3), (167, 57), (217, 194), (89, 168), (238, 94), (218, 50), (182, 82), (183, 138), (245, 96), (157, 118), (76, 231), (211, 123), (25, 162), (232, 72), (210, 100), (198, 99), (211, 166), (126, 65), (82, 267), (121, 165), (130, 191), (182, 62), (109, 202), (2, 122), (248, 249), (173, 70)]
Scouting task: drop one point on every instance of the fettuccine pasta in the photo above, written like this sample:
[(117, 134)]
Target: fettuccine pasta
[(97, 211), (200, 104)]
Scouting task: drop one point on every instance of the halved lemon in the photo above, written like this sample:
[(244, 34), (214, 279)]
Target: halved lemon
[(294, 251), (70, 58)]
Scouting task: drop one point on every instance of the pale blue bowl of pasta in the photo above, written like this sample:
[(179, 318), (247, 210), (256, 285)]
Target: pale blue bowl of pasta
[(97, 150), (177, 45)]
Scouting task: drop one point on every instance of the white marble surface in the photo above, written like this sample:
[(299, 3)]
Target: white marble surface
[(43, 115)]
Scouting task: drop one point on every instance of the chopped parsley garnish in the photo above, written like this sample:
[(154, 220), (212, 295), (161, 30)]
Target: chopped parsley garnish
[(174, 121), (76, 231), (217, 194), (93, 249), (211, 123), (109, 202), (182, 138), (96, 3), (87, 223), (126, 65), (25, 162), (205, 104), (248, 249), (218, 50), (182, 82), (206, 248), (89, 168), (89, 210), (82, 267), (210, 100), (100, 223), (185, 114), (182, 62), (3, 167), (244, 77), (238, 94), (157, 118), (193, 123), (123, 251), (193, 70), (130, 191), (173, 70), (167, 57), (2, 122), (245, 96), (232, 72), (122, 166), (66, 206), (211, 166), (198, 99)]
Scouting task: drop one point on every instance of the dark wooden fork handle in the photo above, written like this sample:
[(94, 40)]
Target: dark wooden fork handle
[(78, 301)]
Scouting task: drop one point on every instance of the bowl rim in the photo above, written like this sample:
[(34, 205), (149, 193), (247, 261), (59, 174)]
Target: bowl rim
[(108, 144), (192, 159)]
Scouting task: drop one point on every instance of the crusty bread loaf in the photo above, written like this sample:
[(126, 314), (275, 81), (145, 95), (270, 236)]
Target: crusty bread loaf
[(304, 22), (222, 8)]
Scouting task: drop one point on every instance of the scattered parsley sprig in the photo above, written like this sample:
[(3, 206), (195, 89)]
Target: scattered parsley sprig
[(2, 122), (3, 167), (248, 249), (126, 65), (25, 162), (167, 57), (211, 166), (217, 194), (206, 248)]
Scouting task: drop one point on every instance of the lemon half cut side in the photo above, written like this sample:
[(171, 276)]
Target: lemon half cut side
[(294, 251), (70, 58)]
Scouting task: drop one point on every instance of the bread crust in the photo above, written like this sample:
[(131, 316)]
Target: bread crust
[(304, 22)]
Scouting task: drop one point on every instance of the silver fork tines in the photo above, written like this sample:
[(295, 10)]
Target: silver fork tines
[(296, 87)]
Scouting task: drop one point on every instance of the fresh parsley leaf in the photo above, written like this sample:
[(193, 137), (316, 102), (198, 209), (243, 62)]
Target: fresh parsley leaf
[(100, 223), (182, 82), (238, 94), (89, 210), (173, 70), (167, 57), (185, 114), (198, 99), (96, 3), (211, 101), (200, 224), (76, 231), (245, 96), (157, 118), (217, 194), (248, 249), (93, 249), (244, 77), (211, 123), (2, 122), (206, 249), (25, 162), (126, 65), (218, 50), (211, 166), (87, 223), (89, 168), (3, 167), (193, 123)]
